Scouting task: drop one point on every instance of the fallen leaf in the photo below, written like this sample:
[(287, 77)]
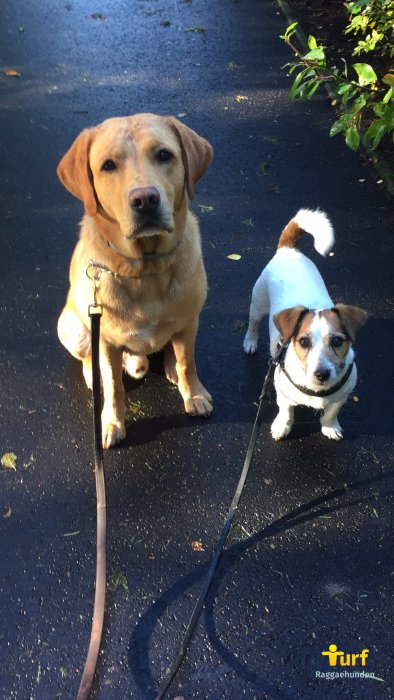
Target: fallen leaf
[(13, 73), (232, 65), (30, 461), (7, 513), (239, 98), (197, 546), (117, 580), (8, 460), (355, 398), (165, 23), (71, 534), (238, 326), (182, 114), (205, 209), (198, 30), (234, 256)]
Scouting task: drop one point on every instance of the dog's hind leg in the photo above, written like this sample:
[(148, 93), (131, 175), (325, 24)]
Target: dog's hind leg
[(259, 307), (76, 338), (170, 364)]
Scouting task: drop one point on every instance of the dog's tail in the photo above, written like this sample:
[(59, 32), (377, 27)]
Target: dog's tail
[(316, 223)]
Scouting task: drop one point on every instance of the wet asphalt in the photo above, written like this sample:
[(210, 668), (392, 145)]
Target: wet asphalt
[(309, 562)]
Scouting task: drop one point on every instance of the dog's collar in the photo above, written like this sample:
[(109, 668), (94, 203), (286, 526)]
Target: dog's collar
[(146, 257), (323, 392)]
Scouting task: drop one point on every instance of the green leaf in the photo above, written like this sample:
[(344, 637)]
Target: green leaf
[(296, 83), (312, 42), (375, 133), (366, 74), (388, 96), (345, 87), (289, 31), (379, 109), (388, 79), (359, 104), (340, 125), (310, 89), (234, 256), (315, 55), (352, 137)]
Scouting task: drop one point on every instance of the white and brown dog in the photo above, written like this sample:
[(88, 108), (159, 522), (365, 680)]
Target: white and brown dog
[(318, 368)]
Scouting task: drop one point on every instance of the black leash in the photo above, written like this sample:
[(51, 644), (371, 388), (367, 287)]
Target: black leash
[(265, 394), (95, 312)]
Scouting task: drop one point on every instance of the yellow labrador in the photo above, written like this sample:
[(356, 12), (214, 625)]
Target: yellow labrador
[(134, 175)]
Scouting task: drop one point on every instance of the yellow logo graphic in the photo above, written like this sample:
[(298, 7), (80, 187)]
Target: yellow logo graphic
[(334, 654)]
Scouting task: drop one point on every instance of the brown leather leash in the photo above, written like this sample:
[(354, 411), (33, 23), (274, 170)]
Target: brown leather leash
[(95, 312)]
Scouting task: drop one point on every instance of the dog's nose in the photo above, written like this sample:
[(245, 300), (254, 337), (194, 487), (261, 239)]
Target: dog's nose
[(144, 199), (322, 374)]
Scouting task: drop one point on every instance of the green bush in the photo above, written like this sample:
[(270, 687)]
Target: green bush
[(374, 20), (366, 101)]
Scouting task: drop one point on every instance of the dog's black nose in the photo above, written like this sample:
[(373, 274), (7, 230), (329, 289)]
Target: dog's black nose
[(144, 199), (322, 374)]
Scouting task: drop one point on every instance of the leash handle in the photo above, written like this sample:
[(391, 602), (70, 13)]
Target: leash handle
[(95, 312)]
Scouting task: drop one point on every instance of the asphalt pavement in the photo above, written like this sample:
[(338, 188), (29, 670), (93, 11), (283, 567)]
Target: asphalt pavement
[(309, 562)]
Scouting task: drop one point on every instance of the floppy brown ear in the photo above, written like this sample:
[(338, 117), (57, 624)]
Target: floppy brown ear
[(352, 318), (286, 321), (75, 174), (196, 153)]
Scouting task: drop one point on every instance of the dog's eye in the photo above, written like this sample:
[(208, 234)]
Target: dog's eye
[(108, 165), (304, 342), (336, 341), (164, 156)]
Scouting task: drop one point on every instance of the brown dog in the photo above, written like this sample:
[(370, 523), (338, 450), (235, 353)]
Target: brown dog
[(133, 175)]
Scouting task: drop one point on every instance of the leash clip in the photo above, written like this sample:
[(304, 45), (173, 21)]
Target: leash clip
[(93, 273), (95, 309)]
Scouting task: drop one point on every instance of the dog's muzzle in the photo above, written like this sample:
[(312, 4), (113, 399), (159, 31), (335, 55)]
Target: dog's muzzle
[(148, 216)]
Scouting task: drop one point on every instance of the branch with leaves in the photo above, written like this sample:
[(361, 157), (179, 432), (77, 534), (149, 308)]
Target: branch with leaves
[(366, 101)]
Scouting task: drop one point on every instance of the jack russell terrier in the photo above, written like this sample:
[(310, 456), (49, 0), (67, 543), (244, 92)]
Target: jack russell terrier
[(310, 338)]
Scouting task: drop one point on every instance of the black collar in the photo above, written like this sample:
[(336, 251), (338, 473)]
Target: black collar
[(324, 392)]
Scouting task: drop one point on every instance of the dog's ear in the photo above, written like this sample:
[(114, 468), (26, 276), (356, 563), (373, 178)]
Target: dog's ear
[(75, 174), (196, 153), (286, 321), (352, 318)]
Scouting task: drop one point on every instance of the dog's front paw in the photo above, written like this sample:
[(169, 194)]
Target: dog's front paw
[(113, 432), (281, 427), (199, 403), (250, 344), (332, 432)]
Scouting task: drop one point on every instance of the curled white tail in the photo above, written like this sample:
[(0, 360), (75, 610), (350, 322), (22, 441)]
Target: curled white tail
[(316, 223), (319, 226)]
